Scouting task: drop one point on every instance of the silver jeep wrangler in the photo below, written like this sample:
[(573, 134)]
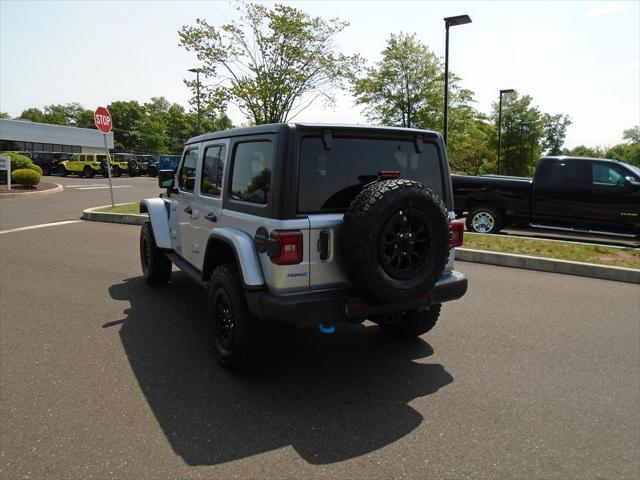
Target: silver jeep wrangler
[(308, 225)]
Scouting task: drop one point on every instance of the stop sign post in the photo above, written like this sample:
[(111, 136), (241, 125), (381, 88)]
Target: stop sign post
[(102, 119)]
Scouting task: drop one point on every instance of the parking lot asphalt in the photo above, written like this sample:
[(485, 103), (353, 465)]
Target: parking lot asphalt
[(78, 194), (531, 375)]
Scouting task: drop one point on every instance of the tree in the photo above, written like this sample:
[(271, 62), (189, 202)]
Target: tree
[(522, 129), (554, 132), (4, 115), (632, 135), (273, 63), (406, 84), (583, 151), (126, 116), (33, 115)]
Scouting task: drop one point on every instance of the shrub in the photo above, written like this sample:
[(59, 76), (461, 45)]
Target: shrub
[(18, 161), (25, 176), (35, 167)]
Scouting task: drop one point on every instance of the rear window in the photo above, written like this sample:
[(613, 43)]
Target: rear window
[(331, 179)]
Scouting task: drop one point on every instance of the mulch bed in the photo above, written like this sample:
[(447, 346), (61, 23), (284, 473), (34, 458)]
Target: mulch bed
[(21, 189)]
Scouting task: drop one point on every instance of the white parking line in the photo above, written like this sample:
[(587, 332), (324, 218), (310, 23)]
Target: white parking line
[(104, 186), (42, 225), (84, 185)]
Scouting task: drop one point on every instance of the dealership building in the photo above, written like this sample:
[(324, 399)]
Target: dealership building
[(19, 135)]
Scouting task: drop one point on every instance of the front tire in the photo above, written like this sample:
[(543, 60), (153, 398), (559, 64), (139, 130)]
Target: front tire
[(115, 171), (156, 267), (410, 325), (62, 171), (87, 172), (484, 219), (233, 329)]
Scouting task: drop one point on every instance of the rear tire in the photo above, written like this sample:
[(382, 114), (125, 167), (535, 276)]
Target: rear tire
[(484, 219), (409, 325), (46, 171), (115, 171), (87, 172), (152, 172), (233, 330), (156, 267), (62, 171)]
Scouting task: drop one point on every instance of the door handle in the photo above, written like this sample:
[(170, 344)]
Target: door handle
[(188, 210), (211, 216)]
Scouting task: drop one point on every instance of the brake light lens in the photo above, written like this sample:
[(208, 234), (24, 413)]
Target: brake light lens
[(290, 247), (457, 233), (388, 174)]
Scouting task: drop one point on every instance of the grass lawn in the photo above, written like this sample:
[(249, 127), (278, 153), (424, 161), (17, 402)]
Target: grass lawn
[(124, 208), (614, 257)]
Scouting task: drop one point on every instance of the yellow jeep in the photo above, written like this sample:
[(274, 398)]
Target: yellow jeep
[(88, 164), (83, 164)]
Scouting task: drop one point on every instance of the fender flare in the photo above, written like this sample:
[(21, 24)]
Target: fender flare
[(158, 211), (245, 252)]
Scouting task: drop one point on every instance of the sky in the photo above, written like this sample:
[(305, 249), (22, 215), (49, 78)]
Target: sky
[(578, 58)]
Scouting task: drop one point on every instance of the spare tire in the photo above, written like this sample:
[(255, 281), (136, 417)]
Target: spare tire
[(395, 241)]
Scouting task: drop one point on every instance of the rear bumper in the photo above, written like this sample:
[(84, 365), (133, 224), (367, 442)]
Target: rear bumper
[(329, 306)]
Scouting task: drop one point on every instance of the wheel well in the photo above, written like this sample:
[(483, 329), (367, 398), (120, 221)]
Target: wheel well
[(219, 252)]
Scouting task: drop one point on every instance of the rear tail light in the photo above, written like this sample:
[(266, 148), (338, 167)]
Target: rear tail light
[(457, 233), (389, 174), (290, 247)]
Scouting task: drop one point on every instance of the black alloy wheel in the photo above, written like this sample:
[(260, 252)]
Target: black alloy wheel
[(404, 243), (223, 323)]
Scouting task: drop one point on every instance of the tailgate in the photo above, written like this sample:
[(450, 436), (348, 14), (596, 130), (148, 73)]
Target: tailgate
[(325, 268)]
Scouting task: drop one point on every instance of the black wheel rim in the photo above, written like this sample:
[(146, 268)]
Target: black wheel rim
[(404, 243), (223, 323)]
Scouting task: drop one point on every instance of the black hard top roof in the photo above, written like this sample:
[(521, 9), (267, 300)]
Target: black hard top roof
[(276, 127)]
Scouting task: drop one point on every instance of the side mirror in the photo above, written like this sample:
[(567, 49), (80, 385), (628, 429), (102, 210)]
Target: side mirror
[(166, 179), (631, 182)]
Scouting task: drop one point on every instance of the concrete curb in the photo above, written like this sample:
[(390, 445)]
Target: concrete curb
[(56, 189), (618, 274), (127, 218)]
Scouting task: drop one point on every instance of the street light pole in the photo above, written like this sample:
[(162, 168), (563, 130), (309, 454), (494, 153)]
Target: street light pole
[(507, 90), (449, 22), (197, 72)]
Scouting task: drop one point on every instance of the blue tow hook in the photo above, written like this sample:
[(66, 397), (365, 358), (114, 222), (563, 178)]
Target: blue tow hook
[(329, 329)]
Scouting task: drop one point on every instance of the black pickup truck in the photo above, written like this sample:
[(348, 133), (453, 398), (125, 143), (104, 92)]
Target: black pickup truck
[(573, 193)]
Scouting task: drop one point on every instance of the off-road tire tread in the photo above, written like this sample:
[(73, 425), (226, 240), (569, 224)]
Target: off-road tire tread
[(366, 210), (242, 356), (160, 266)]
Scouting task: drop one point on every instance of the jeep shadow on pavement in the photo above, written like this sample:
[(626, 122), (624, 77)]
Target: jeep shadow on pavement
[(330, 397), (309, 226)]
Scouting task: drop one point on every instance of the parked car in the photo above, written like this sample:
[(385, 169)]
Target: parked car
[(48, 161), (308, 225), (82, 164), (143, 163), (126, 163), (568, 193), (162, 162)]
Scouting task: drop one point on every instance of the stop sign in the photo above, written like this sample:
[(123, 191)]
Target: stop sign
[(102, 119)]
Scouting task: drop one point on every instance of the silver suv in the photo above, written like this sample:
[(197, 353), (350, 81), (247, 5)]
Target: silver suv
[(309, 225)]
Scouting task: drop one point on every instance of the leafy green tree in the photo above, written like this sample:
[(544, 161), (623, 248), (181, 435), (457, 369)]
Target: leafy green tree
[(126, 116), (522, 131), (632, 135), (584, 151), (554, 131), (4, 115), (273, 63), (84, 119), (403, 89), (33, 114)]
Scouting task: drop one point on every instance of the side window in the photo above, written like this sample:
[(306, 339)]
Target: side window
[(605, 175), (187, 175), (252, 165), (212, 168)]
